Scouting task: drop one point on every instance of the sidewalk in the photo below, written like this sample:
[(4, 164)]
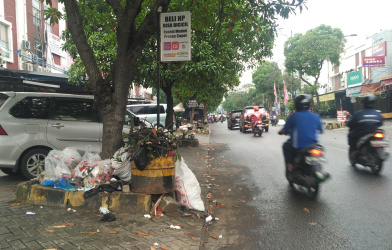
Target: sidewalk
[(56, 227)]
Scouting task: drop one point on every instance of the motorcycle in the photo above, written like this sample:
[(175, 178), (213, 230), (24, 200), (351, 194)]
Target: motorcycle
[(307, 171), (257, 128), (370, 151), (274, 121)]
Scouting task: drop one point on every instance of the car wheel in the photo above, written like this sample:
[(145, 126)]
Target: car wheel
[(33, 163), (8, 171)]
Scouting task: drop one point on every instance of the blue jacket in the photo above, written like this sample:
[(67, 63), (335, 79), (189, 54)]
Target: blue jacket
[(303, 127)]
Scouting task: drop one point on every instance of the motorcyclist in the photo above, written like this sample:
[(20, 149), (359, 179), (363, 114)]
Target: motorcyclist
[(303, 126), (273, 113), (256, 116), (364, 121)]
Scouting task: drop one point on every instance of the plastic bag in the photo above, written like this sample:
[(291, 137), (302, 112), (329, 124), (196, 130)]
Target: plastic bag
[(55, 166), (121, 164), (187, 187), (140, 158), (73, 155)]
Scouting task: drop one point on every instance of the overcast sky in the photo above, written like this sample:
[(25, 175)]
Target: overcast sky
[(361, 17)]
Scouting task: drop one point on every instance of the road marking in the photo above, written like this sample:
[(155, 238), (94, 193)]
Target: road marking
[(345, 150)]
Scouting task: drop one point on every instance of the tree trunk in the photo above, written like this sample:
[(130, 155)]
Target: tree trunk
[(111, 97), (169, 122)]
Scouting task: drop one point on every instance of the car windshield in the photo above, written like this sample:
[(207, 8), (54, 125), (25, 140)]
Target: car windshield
[(238, 113), (251, 111)]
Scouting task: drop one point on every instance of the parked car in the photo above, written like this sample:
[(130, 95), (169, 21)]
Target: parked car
[(32, 124), (233, 119), (244, 122), (149, 113)]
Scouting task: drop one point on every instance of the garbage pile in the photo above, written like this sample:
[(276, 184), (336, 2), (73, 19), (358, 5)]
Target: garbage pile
[(67, 169)]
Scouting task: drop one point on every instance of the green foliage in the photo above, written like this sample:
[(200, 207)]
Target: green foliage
[(266, 75), (236, 100), (305, 54)]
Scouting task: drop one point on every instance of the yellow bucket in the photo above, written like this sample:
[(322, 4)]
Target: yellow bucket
[(157, 178)]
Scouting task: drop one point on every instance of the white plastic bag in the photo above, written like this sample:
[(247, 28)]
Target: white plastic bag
[(73, 154), (121, 164), (187, 187), (55, 166)]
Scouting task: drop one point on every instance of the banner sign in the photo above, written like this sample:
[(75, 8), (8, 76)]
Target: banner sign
[(175, 36), (54, 43), (354, 78), (354, 91), (341, 115), (192, 103), (373, 61), (379, 49)]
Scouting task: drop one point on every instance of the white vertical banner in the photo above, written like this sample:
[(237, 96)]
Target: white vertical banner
[(175, 36)]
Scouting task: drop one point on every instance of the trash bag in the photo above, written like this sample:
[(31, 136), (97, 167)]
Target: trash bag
[(108, 217), (187, 187), (140, 158), (121, 164)]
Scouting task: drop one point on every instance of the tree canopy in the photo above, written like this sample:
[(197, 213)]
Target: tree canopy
[(306, 54), (107, 38)]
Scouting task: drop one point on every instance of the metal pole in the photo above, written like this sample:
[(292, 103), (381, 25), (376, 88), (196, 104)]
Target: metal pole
[(158, 67)]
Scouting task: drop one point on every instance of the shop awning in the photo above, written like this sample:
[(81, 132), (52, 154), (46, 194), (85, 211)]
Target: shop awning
[(370, 88)]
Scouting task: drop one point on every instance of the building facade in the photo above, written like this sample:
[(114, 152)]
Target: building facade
[(31, 54), (366, 67)]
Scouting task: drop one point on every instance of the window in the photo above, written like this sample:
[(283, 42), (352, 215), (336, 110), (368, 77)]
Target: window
[(38, 48), (37, 13), (74, 110), (5, 40), (31, 108)]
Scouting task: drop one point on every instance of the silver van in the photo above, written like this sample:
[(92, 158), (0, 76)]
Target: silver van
[(32, 124)]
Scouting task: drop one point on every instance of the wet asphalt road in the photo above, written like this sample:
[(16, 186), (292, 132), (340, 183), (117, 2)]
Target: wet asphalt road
[(353, 210)]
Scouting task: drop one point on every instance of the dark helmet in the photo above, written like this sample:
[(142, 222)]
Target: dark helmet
[(302, 102), (369, 101)]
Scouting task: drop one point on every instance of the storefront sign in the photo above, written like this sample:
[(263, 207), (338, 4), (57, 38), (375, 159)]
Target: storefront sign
[(54, 44), (192, 103), (175, 36), (327, 97), (354, 91), (373, 61), (354, 78), (386, 77), (379, 49)]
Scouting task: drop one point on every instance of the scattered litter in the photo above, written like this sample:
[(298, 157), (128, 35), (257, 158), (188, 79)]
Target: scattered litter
[(69, 209), (104, 210), (220, 236), (147, 216), (209, 218), (306, 210), (156, 244), (216, 218), (175, 227), (108, 217), (15, 204), (41, 207), (144, 234), (30, 213)]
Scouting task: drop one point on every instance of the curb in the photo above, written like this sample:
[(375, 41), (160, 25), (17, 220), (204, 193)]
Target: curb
[(335, 125), (116, 201)]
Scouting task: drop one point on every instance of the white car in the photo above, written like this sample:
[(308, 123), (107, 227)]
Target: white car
[(32, 124), (149, 113)]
